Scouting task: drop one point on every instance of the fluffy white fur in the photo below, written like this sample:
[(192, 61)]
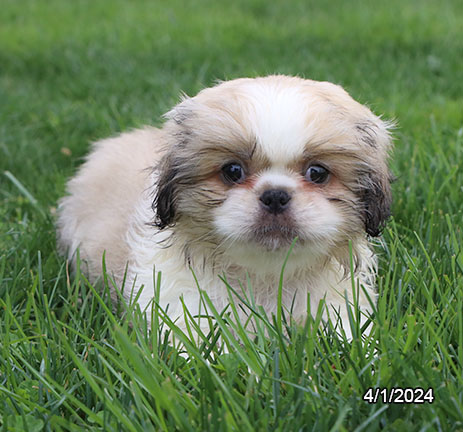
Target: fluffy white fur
[(157, 198)]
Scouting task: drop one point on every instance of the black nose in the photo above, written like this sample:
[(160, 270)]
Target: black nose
[(275, 201)]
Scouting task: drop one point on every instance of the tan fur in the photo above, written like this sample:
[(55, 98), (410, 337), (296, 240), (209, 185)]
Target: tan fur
[(95, 215)]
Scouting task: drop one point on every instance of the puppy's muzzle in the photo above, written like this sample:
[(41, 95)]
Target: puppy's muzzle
[(275, 201)]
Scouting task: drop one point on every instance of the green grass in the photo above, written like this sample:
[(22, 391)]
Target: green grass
[(76, 71)]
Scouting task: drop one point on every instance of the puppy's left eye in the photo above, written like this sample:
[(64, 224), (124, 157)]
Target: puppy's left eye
[(233, 173), (317, 174)]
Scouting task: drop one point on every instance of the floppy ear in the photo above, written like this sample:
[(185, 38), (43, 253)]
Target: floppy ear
[(375, 194), (171, 168), (377, 200), (164, 203)]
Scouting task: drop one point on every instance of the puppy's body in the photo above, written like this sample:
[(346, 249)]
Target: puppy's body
[(235, 176)]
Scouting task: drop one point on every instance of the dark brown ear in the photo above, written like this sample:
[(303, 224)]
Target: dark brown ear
[(375, 182), (164, 203), (169, 170), (376, 198)]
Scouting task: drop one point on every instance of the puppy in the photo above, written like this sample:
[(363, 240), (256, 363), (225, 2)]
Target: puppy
[(235, 175)]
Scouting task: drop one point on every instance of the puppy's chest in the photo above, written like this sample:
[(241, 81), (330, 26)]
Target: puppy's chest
[(255, 290)]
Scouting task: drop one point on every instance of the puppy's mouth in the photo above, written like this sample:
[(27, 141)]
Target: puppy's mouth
[(274, 236)]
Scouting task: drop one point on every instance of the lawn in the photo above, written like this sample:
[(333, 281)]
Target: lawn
[(75, 71)]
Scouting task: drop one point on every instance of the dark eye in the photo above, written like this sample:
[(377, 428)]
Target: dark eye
[(233, 173), (317, 174)]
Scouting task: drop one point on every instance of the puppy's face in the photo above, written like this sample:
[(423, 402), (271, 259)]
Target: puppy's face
[(255, 163)]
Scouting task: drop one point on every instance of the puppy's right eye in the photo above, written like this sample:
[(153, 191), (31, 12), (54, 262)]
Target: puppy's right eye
[(233, 173)]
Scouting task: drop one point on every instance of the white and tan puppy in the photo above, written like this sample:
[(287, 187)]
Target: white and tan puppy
[(233, 177)]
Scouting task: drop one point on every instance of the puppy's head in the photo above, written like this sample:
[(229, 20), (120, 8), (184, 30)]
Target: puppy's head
[(255, 163)]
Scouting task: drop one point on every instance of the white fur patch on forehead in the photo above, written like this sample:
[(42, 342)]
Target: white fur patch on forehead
[(279, 120), (283, 117)]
